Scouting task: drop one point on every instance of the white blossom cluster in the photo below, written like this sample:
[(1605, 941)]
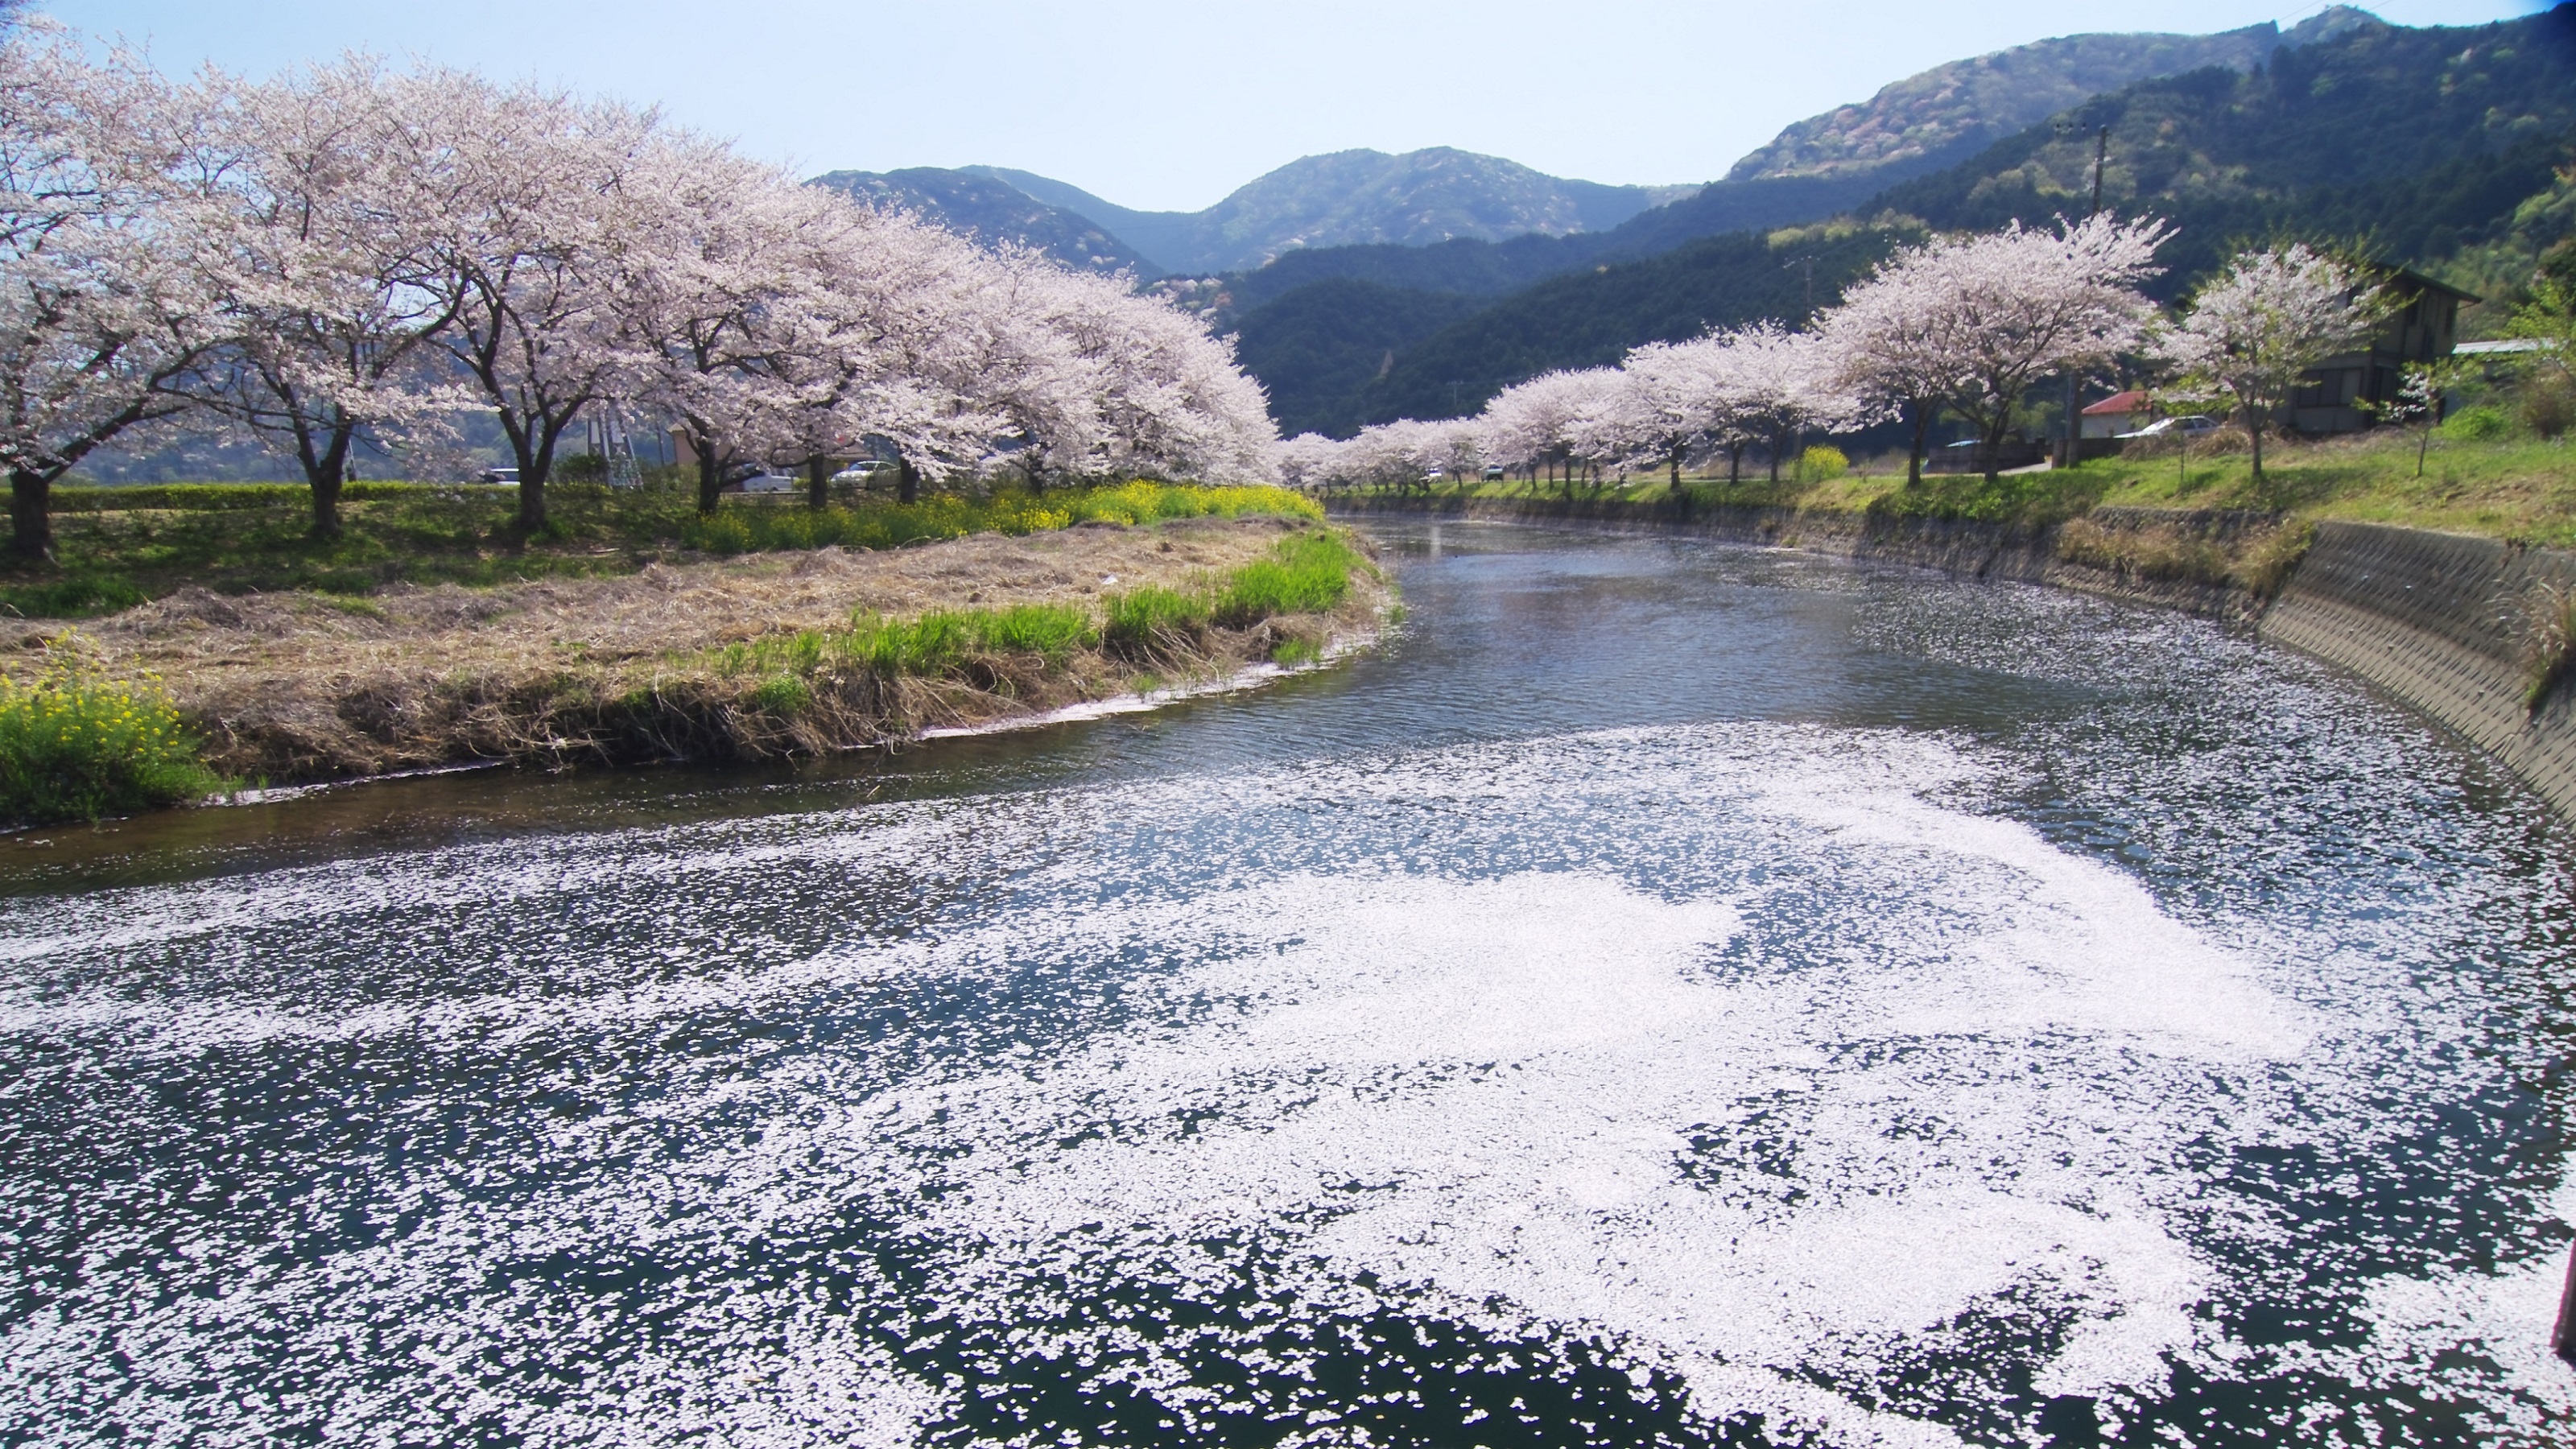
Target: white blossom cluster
[(351, 254), (1965, 326)]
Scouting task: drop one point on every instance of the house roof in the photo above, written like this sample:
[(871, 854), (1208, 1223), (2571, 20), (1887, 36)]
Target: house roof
[(2406, 277), (2132, 401)]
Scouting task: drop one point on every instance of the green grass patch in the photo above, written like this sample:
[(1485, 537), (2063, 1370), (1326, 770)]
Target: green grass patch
[(77, 746), (233, 497), (1306, 573), (768, 527), (1309, 573), (1138, 620)]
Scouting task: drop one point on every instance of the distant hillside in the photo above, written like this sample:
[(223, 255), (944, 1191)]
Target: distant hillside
[(1947, 112), (1348, 198), (2416, 140), (1319, 348), (1591, 318), (993, 211), (2427, 143), (1820, 167), (1359, 198)]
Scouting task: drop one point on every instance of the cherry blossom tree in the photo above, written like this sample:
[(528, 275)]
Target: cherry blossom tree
[(1545, 421), (2251, 331), (324, 279), (1668, 400), (1166, 398), (103, 320), (541, 231), (721, 275), (1974, 322), (1308, 460)]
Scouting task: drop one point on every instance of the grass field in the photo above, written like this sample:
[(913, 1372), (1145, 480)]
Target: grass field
[(117, 547)]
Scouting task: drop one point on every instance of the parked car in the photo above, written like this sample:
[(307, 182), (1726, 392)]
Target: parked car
[(1493, 475), (497, 475), (772, 483), (863, 471), (2190, 425)]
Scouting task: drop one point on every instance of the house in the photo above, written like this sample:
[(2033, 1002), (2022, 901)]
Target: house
[(2123, 412), (2336, 394)]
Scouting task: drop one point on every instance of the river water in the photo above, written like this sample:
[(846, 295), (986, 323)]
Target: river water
[(1669, 994)]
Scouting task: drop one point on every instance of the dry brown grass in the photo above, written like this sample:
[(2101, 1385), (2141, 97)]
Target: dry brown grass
[(301, 686)]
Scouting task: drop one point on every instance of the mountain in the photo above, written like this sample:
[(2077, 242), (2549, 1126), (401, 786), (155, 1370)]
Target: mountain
[(992, 210), (2424, 143), (1356, 198), (1820, 167), (1947, 113), (2412, 142)]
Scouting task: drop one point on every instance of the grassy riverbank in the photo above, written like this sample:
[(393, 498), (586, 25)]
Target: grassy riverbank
[(997, 608), (2518, 488)]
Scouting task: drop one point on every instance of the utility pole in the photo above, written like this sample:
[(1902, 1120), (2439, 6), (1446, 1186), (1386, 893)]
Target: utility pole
[(1806, 266), (2074, 420)]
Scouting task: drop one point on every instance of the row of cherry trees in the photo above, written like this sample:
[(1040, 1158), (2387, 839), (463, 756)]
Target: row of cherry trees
[(1962, 325), (354, 256)]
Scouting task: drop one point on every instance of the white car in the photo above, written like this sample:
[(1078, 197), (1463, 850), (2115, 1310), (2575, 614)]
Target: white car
[(772, 483), (2190, 425), (861, 472)]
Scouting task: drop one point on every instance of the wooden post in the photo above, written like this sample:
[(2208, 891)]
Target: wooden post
[(2562, 1339)]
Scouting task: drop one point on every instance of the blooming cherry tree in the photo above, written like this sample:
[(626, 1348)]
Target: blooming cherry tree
[(1974, 322), (2255, 328), (323, 278), (102, 317), (542, 233)]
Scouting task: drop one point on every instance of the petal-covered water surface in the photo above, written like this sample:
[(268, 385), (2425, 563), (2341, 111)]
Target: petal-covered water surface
[(1669, 995)]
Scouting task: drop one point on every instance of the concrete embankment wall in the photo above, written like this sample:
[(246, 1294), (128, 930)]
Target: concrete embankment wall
[(2443, 622)]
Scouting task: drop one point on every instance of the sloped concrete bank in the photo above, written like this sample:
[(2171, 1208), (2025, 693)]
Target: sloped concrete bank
[(2461, 628)]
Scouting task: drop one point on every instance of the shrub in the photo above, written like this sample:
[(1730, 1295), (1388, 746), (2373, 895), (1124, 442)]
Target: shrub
[(2475, 425), (2549, 636), (75, 745), (1822, 463), (2264, 566), (2548, 406)]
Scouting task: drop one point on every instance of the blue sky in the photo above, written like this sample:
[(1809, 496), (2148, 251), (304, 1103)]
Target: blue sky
[(1171, 105)]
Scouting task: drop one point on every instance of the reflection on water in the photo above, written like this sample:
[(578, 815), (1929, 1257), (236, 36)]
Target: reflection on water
[(1670, 994)]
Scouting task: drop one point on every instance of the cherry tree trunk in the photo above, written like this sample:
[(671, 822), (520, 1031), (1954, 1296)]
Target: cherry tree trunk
[(710, 478), (31, 515), (907, 481), (818, 482)]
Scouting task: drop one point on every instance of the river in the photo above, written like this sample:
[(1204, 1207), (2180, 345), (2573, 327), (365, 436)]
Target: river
[(1667, 994)]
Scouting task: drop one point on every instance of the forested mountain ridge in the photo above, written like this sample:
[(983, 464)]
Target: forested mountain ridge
[(1951, 111), (991, 211), (2421, 141), (1347, 198), (2413, 141)]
